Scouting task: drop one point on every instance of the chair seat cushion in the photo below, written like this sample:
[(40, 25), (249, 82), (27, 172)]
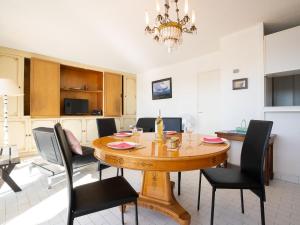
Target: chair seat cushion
[(87, 157), (229, 178), (87, 150), (102, 195)]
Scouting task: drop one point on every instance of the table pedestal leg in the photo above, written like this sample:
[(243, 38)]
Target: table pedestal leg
[(157, 194)]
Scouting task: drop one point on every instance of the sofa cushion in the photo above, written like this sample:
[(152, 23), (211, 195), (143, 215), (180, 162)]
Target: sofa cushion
[(74, 144)]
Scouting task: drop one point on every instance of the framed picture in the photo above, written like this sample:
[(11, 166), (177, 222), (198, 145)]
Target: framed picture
[(162, 89), (240, 84)]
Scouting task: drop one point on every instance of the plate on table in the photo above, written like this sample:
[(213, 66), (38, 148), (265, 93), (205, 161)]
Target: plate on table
[(123, 134), (121, 145), (170, 132), (213, 140)]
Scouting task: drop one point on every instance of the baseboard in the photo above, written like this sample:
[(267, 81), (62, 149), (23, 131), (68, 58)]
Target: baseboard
[(287, 177)]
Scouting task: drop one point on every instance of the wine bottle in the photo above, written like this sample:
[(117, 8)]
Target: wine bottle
[(159, 128)]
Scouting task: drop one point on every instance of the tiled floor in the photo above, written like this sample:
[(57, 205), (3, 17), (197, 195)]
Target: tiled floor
[(38, 205)]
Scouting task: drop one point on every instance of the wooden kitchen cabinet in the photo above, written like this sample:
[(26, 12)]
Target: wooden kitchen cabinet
[(44, 88), (12, 67), (112, 94), (129, 100)]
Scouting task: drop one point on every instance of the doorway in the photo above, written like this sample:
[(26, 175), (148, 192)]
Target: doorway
[(208, 102)]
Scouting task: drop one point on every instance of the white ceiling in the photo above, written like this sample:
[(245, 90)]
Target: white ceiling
[(110, 33)]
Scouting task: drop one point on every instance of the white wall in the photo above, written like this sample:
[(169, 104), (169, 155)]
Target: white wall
[(286, 148), (282, 47), (184, 83), (243, 50)]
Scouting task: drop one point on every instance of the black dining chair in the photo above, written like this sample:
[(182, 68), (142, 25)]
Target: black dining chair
[(250, 176), (147, 123), (106, 127), (48, 149), (174, 124), (96, 196)]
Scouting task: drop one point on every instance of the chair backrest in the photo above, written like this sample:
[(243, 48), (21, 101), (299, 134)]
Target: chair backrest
[(47, 145), (66, 155), (106, 127), (254, 149), (173, 123), (148, 124)]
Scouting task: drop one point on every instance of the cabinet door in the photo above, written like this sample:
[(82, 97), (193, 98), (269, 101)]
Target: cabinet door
[(44, 88), (76, 126), (17, 134), (130, 96), (91, 131), (12, 67), (112, 94), (282, 51), (39, 123)]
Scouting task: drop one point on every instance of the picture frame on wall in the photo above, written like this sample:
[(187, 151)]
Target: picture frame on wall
[(162, 89), (239, 84)]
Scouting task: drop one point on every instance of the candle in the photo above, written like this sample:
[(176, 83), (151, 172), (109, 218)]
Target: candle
[(157, 6), (193, 17), (147, 18), (186, 7)]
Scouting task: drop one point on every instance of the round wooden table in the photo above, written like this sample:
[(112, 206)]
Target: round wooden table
[(157, 161)]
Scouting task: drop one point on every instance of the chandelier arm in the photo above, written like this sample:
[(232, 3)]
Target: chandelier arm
[(187, 30), (159, 18), (182, 22), (155, 28), (150, 30)]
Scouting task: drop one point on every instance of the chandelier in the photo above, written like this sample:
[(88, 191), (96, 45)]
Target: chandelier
[(169, 31)]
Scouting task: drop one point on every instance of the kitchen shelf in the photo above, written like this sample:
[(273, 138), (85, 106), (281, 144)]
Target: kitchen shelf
[(83, 91)]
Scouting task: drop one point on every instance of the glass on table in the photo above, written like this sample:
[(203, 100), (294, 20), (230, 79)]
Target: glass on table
[(133, 129), (139, 130), (189, 130)]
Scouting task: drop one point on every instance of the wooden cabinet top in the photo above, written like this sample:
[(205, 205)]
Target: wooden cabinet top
[(236, 136)]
